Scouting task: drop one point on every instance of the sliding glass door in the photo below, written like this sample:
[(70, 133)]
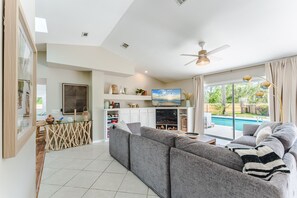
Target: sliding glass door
[(229, 106), (218, 111)]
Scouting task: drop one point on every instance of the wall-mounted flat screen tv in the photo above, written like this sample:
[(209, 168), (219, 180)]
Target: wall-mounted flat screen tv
[(166, 97)]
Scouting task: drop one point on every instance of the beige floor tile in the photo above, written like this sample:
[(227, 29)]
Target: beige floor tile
[(131, 184), (47, 172), (47, 190), (78, 164), (59, 163), (109, 181), (129, 195), (116, 167), (105, 156), (92, 193), (69, 192), (61, 177), (98, 165), (150, 192), (84, 179)]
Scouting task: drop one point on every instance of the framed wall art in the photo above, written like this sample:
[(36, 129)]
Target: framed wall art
[(75, 96), (19, 112)]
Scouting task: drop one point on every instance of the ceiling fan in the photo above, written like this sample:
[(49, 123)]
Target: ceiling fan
[(202, 56)]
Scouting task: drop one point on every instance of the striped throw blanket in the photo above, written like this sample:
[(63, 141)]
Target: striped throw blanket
[(261, 162)]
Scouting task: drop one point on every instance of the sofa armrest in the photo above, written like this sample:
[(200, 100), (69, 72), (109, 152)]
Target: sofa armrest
[(119, 146), (192, 175), (250, 129), (135, 128)]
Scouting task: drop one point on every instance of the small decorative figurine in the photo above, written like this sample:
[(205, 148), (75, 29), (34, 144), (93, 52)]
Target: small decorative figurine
[(50, 119)]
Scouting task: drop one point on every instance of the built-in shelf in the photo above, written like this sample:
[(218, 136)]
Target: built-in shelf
[(126, 97)]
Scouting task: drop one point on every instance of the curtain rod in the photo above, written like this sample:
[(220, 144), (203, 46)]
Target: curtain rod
[(243, 67), (229, 70)]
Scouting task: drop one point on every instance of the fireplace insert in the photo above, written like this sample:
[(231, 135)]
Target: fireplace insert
[(166, 119)]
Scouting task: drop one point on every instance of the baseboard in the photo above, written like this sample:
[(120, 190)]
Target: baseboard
[(99, 141)]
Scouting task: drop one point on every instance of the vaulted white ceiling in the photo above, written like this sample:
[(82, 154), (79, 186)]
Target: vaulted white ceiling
[(67, 19), (159, 31)]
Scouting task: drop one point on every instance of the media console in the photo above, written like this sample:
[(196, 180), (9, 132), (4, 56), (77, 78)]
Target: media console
[(165, 118)]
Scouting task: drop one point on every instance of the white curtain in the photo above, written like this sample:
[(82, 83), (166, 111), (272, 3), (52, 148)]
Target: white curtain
[(199, 104), (283, 74)]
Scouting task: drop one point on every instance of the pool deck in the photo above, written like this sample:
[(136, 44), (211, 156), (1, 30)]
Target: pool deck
[(223, 131)]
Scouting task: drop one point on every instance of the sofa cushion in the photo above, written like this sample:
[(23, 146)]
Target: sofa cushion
[(134, 127), (164, 137), (263, 134), (219, 155), (293, 150), (250, 129), (123, 126), (287, 134), (272, 125), (246, 140), (150, 162), (275, 145)]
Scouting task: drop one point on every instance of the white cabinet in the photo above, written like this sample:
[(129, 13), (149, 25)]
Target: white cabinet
[(144, 118), (134, 115), (124, 115), (147, 117), (151, 118)]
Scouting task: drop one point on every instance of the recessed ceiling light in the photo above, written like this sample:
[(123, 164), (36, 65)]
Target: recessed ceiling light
[(125, 45), (84, 34), (146, 71), (40, 25)]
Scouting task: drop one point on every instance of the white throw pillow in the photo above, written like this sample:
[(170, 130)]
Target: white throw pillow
[(122, 125), (263, 134)]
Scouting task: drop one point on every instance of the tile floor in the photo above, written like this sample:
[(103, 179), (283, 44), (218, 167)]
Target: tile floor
[(89, 172)]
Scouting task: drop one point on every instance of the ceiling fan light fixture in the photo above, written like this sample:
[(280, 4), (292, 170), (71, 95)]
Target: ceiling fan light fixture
[(202, 61)]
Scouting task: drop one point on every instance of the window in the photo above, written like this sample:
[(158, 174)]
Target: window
[(41, 102)]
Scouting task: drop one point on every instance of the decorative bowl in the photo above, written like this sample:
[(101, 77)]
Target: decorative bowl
[(192, 135)]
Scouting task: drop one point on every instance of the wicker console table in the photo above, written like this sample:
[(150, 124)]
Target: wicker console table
[(67, 135)]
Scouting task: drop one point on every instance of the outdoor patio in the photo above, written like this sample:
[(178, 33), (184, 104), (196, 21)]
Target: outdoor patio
[(223, 131)]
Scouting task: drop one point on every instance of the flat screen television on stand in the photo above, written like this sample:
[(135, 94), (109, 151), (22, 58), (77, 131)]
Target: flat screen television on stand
[(166, 97)]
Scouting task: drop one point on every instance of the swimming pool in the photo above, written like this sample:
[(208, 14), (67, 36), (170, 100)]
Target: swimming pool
[(228, 121)]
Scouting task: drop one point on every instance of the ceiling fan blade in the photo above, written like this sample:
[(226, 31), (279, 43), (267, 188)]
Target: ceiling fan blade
[(218, 49), (190, 62), (215, 58), (194, 55)]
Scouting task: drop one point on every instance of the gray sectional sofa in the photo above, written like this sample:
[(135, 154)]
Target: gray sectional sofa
[(179, 167)]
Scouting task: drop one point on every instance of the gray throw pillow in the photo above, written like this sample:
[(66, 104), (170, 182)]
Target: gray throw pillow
[(275, 145), (272, 125), (263, 134), (287, 134)]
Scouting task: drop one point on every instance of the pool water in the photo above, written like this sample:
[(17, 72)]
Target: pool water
[(228, 121)]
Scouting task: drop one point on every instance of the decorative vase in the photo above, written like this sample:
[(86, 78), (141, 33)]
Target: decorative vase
[(110, 90), (106, 104), (86, 116), (188, 103), (115, 89)]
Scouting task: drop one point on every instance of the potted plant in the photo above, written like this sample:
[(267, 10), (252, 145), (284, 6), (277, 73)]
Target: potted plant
[(188, 97), (139, 92)]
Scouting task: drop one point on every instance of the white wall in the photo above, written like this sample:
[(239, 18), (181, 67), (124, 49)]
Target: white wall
[(185, 85), (98, 105), (54, 78), (17, 175), (132, 83)]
